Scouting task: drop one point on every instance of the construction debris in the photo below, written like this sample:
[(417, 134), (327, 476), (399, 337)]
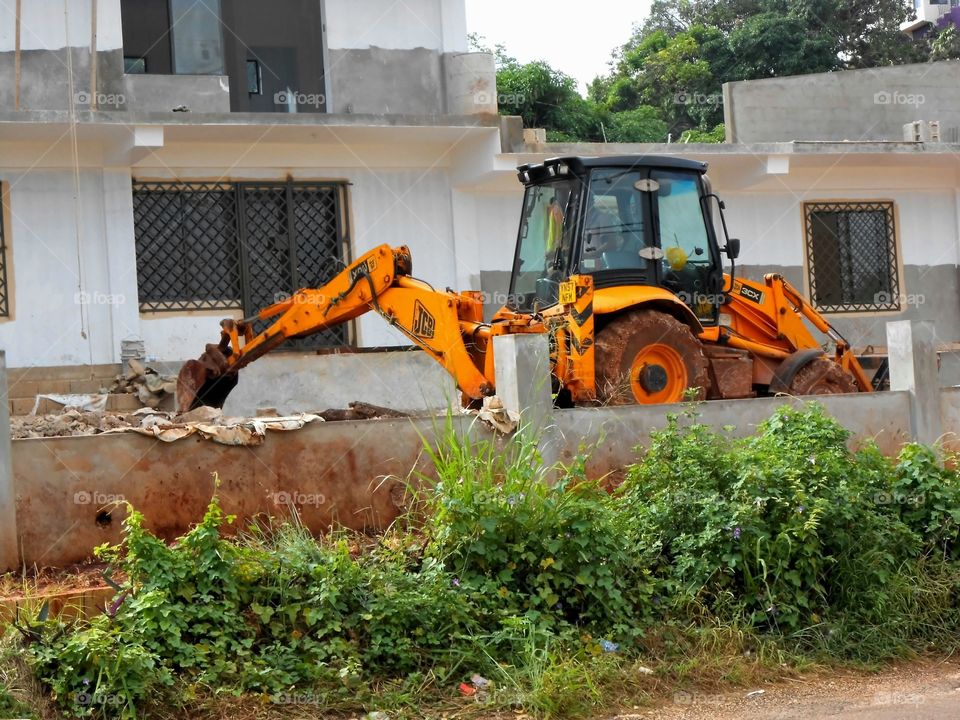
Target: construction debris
[(496, 415), (209, 423), (150, 387), (69, 422), (361, 411)]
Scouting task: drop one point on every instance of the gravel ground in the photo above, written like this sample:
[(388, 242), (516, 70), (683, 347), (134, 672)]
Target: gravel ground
[(912, 691)]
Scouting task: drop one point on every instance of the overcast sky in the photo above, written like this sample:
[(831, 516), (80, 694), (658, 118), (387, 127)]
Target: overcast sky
[(575, 36)]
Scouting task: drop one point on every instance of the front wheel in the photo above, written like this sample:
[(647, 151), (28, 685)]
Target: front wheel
[(648, 357)]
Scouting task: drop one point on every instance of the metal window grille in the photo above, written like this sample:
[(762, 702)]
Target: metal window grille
[(188, 252), (852, 256), (238, 245), (4, 288)]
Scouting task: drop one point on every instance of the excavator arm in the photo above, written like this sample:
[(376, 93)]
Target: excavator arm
[(446, 325), (767, 320)]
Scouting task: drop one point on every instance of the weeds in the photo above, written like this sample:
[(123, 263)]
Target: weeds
[(716, 560)]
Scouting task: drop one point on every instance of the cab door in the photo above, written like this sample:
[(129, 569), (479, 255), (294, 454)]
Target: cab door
[(690, 265)]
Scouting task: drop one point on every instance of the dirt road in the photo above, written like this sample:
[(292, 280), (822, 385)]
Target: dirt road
[(915, 691)]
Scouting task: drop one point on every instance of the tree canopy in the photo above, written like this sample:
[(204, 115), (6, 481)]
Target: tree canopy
[(666, 80)]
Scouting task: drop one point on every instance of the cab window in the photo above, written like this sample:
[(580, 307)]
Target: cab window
[(543, 250), (614, 230), (683, 231)]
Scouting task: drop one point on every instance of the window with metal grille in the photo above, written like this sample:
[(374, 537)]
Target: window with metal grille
[(4, 288), (230, 246), (852, 256)]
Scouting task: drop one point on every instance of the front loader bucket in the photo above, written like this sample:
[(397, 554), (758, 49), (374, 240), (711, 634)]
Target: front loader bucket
[(205, 381)]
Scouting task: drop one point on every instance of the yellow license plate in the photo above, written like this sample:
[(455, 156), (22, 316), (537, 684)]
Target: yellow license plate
[(568, 293)]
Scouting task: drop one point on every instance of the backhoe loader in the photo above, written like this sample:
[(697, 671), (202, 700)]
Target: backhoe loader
[(618, 262)]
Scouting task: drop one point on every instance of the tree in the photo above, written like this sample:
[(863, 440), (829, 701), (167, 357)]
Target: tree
[(546, 98), (667, 78), (679, 58), (543, 96), (771, 45), (642, 124), (945, 44)]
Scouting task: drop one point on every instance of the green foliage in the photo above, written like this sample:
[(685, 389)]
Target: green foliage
[(788, 529), (925, 495), (716, 135), (945, 44), (555, 552), (100, 670), (535, 578), (11, 707), (678, 60), (642, 124)]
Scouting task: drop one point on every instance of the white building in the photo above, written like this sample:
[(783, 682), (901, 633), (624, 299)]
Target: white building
[(928, 14), (143, 203)]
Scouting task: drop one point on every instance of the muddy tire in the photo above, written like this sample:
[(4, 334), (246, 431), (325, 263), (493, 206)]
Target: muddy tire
[(822, 376), (648, 357)]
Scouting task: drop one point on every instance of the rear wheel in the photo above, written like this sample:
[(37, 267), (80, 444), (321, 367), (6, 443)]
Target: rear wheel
[(822, 376), (648, 357)]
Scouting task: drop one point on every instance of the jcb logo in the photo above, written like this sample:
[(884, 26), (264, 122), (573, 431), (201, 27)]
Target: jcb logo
[(424, 324), (364, 268)]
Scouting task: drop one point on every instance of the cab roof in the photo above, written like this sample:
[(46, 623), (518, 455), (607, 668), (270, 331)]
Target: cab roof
[(537, 172)]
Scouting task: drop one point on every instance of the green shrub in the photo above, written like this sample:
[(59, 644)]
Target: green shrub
[(525, 539), (781, 528), (99, 670), (926, 496)]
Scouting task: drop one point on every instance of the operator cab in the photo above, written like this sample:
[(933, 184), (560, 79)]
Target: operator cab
[(640, 220)]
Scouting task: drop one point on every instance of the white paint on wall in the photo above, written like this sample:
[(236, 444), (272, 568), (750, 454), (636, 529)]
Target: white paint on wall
[(8, 27), (498, 221), (395, 25), (56, 320)]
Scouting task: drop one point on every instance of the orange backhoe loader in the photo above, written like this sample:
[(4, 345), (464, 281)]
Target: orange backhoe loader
[(618, 262)]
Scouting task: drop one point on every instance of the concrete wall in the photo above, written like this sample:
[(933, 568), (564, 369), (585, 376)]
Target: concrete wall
[(409, 57), (382, 58), (294, 382), (70, 491), (163, 93), (55, 36), (770, 224), (343, 473), (871, 104), (73, 269)]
